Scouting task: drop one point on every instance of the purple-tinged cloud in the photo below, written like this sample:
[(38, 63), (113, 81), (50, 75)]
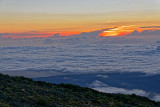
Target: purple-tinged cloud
[(145, 33)]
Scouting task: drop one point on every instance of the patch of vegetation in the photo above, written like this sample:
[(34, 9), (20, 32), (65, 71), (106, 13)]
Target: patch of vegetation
[(24, 92)]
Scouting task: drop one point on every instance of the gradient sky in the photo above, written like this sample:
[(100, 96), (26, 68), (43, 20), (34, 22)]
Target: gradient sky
[(75, 16)]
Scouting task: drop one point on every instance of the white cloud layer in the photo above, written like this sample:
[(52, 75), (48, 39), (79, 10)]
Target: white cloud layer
[(156, 98), (98, 85), (80, 55)]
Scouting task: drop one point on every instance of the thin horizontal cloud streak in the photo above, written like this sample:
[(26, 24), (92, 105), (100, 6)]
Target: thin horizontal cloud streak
[(151, 27), (145, 33), (21, 35)]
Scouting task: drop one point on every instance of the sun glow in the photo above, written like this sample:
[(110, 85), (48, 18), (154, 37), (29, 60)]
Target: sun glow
[(125, 30), (118, 31)]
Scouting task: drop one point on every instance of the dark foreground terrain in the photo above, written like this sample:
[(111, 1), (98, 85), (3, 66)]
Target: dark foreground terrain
[(23, 92)]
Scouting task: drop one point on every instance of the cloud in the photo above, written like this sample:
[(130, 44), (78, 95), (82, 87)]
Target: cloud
[(145, 33), (111, 21), (151, 27), (90, 34), (0, 35), (100, 86), (156, 98), (103, 76), (48, 41), (32, 34), (56, 35)]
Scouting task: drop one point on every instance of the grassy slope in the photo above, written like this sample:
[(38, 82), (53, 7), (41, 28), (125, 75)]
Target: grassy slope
[(23, 92)]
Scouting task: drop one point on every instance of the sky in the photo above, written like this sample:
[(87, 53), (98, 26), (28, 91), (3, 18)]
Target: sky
[(45, 18)]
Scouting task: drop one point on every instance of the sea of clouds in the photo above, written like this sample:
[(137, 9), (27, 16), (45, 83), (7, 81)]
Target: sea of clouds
[(81, 58), (39, 57)]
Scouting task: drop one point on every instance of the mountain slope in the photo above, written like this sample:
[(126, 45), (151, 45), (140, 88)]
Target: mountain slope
[(20, 91)]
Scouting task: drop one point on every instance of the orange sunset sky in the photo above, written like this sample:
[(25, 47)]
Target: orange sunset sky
[(44, 18)]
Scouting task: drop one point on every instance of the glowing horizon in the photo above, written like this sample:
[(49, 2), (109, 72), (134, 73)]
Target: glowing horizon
[(112, 31)]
